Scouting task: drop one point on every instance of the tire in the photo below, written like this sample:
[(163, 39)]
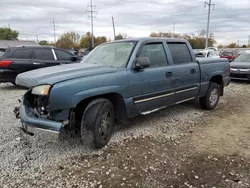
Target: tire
[(212, 97), (97, 123)]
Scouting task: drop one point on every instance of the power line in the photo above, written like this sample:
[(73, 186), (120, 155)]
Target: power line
[(208, 18), (91, 6)]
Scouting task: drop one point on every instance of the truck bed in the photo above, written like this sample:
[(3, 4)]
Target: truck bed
[(211, 60)]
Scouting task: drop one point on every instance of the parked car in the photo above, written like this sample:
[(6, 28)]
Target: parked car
[(16, 60), (119, 80), (230, 55), (240, 67), (211, 48), (207, 53)]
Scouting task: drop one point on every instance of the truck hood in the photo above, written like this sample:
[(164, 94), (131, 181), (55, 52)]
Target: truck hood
[(240, 65), (52, 75)]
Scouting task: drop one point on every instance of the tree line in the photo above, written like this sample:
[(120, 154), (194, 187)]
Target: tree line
[(196, 41), (233, 45), (72, 39)]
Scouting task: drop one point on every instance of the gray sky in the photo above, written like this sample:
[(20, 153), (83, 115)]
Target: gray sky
[(230, 20)]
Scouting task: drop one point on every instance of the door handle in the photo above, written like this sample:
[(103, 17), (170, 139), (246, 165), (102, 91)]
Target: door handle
[(169, 74), (193, 71), (35, 63)]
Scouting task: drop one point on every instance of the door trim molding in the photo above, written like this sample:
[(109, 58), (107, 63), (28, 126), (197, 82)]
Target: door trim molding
[(152, 98), (159, 95), (185, 90)]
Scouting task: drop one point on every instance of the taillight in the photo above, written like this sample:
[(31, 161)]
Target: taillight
[(5, 63)]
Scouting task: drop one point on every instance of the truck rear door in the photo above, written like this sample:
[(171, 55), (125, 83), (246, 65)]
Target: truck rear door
[(185, 72)]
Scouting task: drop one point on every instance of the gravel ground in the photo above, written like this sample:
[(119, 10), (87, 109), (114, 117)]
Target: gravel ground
[(144, 148)]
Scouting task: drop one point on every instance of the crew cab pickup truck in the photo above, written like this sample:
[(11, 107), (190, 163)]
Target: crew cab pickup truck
[(117, 81)]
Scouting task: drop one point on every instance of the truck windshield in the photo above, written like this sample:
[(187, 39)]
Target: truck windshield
[(112, 54), (243, 58)]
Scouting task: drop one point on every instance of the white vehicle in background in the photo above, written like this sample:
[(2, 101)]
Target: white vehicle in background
[(211, 48), (208, 54)]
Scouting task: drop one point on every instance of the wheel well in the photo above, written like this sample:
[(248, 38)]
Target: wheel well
[(218, 80), (115, 98)]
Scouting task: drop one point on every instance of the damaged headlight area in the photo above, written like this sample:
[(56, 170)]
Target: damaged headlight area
[(38, 98), (41, 106), (42, 90)]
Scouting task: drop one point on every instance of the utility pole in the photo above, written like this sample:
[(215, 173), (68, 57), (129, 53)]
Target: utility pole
[(173, 28), (113, 26), (37, 39), (9, 26), (208, 18), (91, 6), (249, 40), (54, 28)]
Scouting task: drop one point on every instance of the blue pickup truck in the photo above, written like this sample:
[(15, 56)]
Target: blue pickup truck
[(117, 81)]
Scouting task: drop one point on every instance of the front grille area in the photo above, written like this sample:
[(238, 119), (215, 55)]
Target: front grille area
[(233, 75), (39, 104)]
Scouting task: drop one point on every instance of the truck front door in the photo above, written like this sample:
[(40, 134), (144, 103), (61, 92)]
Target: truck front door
[(185, 72), (156, 90)]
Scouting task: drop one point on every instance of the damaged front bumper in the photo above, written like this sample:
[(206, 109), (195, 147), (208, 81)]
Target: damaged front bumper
[(30, 121)]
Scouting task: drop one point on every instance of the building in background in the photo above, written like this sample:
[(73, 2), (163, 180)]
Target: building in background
[(13, 43)]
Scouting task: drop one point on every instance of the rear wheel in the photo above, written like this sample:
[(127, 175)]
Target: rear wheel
[(211, 99), (97, 123)]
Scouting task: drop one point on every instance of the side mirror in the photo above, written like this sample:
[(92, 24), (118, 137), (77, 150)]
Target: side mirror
[(141, 62), (74, 58)]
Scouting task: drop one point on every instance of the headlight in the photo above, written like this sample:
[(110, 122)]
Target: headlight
[(41, 90)]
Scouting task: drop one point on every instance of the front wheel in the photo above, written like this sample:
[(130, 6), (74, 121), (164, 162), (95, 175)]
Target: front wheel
[(211, 99), (97, 123)]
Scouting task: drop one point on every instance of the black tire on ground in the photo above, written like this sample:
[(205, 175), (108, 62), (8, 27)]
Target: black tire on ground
[(97, 123), (211, 99)]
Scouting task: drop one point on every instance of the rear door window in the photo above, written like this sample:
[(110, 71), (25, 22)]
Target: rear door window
[(44, 54), (22, 54), (180, 53), (63, 55)]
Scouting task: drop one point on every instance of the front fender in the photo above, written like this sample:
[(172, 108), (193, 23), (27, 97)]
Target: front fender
[(78, 97), (66, 95)]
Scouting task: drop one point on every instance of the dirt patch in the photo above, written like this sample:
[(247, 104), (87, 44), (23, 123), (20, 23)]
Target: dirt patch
[(225, 130)]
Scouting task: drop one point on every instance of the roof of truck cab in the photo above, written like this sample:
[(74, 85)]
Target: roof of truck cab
[(152, 38)]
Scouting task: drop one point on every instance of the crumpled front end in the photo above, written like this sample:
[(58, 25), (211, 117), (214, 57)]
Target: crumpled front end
[(35, 112)]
